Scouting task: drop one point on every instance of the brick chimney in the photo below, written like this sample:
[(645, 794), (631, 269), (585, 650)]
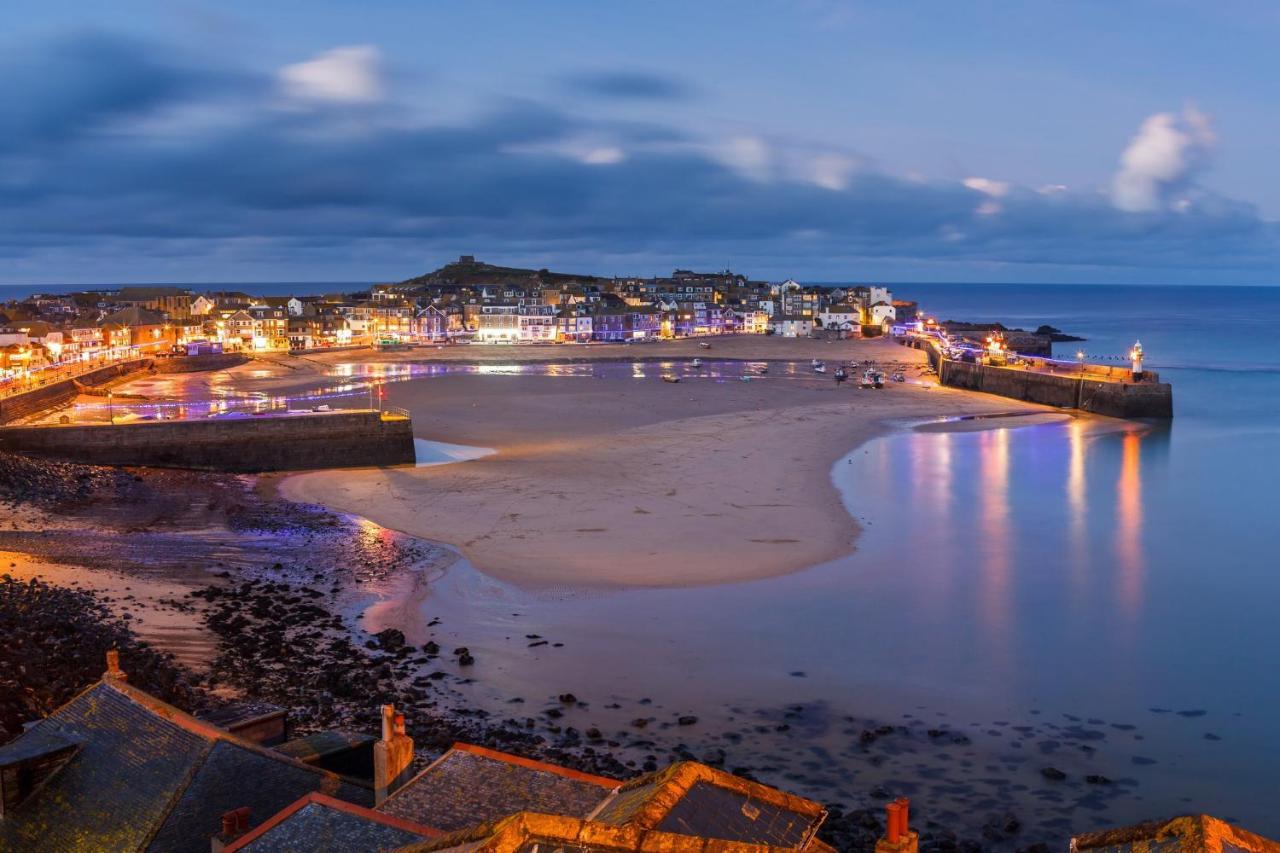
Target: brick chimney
[(235, 823), (392, 756), (898, 837), (114, 672)]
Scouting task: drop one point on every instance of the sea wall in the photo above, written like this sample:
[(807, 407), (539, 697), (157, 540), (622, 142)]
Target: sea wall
[(195, 363), (63, 391), (251, 444), (1093, 392)]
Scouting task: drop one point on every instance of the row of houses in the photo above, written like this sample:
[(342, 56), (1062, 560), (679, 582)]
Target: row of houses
[(105, 325)]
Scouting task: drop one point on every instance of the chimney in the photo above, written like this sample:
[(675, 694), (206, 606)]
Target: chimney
[(898, 837), (235, 823), (392, 756), (114, 672)]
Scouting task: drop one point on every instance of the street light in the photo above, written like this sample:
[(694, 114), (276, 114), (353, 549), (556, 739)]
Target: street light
[(1080, 357), (111, 410)]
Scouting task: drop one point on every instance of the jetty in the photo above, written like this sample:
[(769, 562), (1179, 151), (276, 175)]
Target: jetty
[(279, 441), (1112, 390)]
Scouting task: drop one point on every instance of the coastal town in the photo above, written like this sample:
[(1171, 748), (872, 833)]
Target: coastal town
[(463, 302)]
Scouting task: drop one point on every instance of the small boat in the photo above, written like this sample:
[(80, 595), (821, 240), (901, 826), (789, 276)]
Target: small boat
[(697, 362), (815, 363), (763, 370), (841, 375), (705, 346), (872, 379), (819, 367), (898, 377), (745, 378), (670, 377)]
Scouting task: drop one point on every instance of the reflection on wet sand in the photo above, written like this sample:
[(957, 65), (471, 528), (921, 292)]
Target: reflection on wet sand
[(996, 547)]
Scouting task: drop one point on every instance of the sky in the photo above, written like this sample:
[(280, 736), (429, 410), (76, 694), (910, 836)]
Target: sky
[(1086, 141)]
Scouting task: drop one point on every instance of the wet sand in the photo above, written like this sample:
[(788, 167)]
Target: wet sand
[(637, 482)]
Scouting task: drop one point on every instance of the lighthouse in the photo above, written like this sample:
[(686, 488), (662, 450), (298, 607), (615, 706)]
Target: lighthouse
[(1135, 356)]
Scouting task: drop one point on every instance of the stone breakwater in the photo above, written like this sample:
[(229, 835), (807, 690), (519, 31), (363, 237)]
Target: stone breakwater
[(1149, 398), (250, 444), (1101, 390)]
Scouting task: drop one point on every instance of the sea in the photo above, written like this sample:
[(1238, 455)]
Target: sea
[(1092, 597)]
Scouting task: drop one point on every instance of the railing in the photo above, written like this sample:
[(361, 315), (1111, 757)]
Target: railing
[(58, 373), (395, 412)]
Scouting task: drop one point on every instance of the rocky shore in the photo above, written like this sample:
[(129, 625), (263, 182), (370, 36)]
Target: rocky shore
[(55, 643)]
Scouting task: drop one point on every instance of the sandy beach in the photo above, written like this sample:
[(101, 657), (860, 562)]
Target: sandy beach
[(636, 482)]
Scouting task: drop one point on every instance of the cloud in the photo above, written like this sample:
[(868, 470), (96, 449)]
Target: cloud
[(1162, 160), (343, 75), (264, 190), (53, 93), (628, 85), (986, 186)]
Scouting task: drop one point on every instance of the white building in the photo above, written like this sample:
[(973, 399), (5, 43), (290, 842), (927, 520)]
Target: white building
[(791, 326)]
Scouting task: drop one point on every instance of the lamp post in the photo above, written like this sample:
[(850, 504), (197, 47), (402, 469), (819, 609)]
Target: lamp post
[(1080, 384), (111, 409)]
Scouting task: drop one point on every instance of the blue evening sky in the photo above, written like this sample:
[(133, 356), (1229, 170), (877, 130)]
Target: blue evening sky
[(825, 140)]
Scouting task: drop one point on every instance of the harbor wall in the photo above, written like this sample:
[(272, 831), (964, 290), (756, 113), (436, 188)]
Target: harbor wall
[(196, 363), (63, 391), (1093, 392), (251, 444)]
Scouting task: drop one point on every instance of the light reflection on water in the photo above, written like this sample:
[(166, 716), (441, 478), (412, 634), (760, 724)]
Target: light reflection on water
[(350, 384), (1002, 575)]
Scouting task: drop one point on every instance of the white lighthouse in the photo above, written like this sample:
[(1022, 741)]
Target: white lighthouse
[(1135, 356)]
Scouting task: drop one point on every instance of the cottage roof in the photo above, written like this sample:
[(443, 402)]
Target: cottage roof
[(689, 798), (470, 785), (146, 776), (319, 822), (1186, 834)]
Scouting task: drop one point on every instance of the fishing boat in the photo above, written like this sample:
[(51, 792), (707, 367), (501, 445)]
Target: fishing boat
[(898, 377), (697, 362), (705, 345), (872, 379), (841, 375), (819, 367), (670, 377), (764, 368)]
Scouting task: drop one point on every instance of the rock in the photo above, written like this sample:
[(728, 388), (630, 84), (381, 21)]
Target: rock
[(1097, 779), (465, 659), (568, 699), (687, 720), (431, 647), (1053, 774), (390, 640)]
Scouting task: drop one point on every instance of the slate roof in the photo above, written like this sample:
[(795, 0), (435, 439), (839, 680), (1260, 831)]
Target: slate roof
[(689, 798), (529, 831), (469, 785), (149, 777), (1187, 834), (134, 316), (317, 822)]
